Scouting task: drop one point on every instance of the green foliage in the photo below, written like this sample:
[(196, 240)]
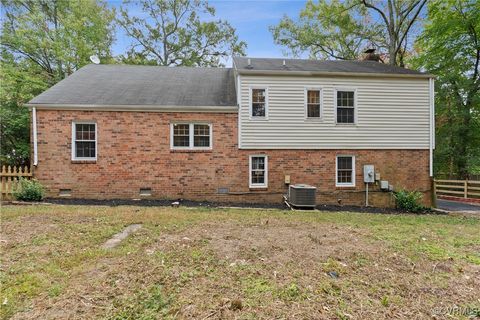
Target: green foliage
[(149, 304), (327, 29), (291, 292), (408, 200), (449, 47), (41, 43), (21, 81), (59, 36), (343, 29), (175, 35), (28, 190)]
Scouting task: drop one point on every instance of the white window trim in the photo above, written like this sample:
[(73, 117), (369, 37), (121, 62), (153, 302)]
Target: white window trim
[(257, 185), (250, 106), (355, 109), (74, 133), (191, 135), (351, 184), (320, 89)]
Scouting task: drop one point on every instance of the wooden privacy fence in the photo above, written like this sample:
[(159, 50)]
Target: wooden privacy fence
[(9, 176), (457, 188)]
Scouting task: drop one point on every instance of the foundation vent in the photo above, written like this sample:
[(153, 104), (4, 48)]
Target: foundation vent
[(65, 193), (145, 192)]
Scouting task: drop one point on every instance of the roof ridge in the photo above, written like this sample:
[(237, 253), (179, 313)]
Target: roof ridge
[(156, 66)]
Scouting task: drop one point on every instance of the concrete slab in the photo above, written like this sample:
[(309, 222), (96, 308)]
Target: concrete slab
[(117, 238)]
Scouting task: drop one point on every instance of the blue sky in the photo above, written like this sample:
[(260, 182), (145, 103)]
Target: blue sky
[(251, 19)]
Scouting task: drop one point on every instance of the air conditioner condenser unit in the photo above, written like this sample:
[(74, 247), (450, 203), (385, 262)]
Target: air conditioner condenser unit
[(302, 195)]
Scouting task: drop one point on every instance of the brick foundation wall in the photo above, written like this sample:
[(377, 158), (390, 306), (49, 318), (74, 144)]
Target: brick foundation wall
[(134, 152)]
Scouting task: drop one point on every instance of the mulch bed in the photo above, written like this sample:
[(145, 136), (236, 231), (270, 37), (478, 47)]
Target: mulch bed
[(207, 204)]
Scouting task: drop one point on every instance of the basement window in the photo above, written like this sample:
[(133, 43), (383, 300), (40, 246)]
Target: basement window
[(191, 136), (84, 140), (345, 106), (345, 171), (258, 168)]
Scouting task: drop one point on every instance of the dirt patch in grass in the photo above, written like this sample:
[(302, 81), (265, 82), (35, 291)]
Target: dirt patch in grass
[(271, 241), (203, 263), (279, 269)]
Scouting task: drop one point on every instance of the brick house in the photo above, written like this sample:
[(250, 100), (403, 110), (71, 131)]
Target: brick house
[(238, 134)]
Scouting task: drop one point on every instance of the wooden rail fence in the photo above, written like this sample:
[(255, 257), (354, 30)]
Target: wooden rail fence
[(468, 189), (9, 177)]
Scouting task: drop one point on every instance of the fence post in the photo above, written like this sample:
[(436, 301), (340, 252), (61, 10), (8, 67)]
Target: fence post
[(465, 193)]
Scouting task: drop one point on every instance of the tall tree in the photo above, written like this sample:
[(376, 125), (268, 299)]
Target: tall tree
[(341, 30), (57, 35), (449, 47), (41, 42), (20, 82), (174, 34)]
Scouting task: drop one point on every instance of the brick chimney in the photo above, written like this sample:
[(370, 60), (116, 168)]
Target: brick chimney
[(370, 55)]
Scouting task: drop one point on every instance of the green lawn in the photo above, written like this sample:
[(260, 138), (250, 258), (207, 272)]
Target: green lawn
[(230, 263)]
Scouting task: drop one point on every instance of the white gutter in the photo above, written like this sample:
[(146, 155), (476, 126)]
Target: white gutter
[(432, 122), (34, 125), (325, 73), (139, 108)]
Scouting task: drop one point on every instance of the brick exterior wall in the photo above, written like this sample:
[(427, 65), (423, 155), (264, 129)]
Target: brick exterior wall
[(134, 152)]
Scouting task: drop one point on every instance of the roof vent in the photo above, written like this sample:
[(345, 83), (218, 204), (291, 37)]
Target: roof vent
[(284, 64), (249, 63)]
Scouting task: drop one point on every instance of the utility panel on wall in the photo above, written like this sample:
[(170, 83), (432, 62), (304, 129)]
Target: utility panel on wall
[(368, 173)]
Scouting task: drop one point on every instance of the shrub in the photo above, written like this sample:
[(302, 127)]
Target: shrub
[(409, 200), (28, 190)]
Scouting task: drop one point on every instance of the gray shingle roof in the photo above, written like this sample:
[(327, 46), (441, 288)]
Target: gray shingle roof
[(337, 66), (143, 86)]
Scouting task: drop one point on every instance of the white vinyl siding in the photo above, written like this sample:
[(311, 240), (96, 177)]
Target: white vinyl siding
[(390, 113)]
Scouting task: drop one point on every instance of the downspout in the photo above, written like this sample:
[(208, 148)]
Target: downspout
[(432, 121), (34, 125), (239, 103), (239, 99)]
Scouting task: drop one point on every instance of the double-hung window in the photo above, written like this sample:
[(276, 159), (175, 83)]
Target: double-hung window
[(258, 171), (84, 141), (345, 175), (191, 136), (259, 103), (345, 109), (313, 104)]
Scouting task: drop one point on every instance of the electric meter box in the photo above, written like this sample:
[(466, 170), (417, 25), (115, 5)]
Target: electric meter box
[(368, 173)]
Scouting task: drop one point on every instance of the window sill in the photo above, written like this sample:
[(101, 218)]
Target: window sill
[(345, 187), (84, 161), (311, 119), (191, 150), (259, 188), (346, 124), (258, 118)]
